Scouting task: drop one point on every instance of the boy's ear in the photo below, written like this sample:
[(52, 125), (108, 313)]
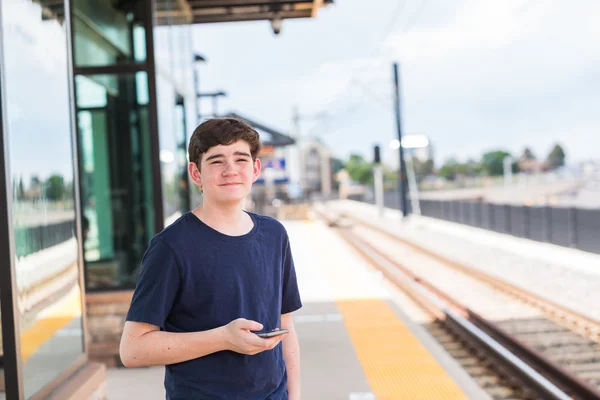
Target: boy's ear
[(256, 171), (195, 174)]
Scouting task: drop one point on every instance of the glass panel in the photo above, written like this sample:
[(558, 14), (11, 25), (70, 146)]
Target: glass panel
[(163, 48), (108, 32), (172, 142), (163, 35), (46, 265), (116, 184)]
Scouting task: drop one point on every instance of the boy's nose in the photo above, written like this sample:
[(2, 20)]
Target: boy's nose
[(229, 170)]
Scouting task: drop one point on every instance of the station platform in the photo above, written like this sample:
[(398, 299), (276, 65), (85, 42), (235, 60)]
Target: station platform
[(566, 276), (360, 337)]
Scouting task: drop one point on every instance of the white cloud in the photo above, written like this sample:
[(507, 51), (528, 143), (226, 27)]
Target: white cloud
[(475, 75)]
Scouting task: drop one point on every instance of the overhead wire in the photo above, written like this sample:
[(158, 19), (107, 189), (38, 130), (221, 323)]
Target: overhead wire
[(366, 87), (396, 13)]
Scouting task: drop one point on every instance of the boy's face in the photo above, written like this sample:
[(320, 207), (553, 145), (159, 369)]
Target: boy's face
[(227, 172)]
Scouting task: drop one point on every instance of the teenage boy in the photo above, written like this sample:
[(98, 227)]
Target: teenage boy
[(213, 279)]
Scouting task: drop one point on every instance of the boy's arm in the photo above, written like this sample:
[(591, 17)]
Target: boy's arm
[(291, 355), (145, 345)]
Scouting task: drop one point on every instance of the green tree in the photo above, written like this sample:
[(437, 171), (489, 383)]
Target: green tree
[(448, 170), (55, 188), (474, 168), (359, 170), (34, 182), (336, 165), (493, 163), (422, 168), (556, 158), (528, 154), (21, 189)]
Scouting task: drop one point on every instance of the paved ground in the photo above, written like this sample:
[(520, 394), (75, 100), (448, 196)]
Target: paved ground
[(341, 353)]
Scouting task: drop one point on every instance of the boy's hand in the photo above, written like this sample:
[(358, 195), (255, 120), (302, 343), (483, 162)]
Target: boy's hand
[(241, 340)]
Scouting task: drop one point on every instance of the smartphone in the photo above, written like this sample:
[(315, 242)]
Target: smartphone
[(272, 333)]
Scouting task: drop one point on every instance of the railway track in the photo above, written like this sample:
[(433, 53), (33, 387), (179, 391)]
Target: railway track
[(515, 334)]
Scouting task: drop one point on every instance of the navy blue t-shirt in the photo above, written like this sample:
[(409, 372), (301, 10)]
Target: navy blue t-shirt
[(195, 278)]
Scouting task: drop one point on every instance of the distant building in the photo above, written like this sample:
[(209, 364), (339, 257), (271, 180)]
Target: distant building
[(532, 166), (316, 175)]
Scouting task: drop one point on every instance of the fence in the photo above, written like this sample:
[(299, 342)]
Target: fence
[(35, 238), (570, 227)]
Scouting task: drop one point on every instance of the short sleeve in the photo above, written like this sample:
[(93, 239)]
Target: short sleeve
[(291, 295), (157, 285)]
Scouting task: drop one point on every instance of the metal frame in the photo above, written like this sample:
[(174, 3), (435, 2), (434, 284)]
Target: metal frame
[(13, 365), (149, 68), (153, 118), (76, 171), (207, 11), (8, 296), (109, 69)]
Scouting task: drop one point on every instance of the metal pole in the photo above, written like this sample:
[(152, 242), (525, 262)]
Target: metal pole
[(402, 172), (157, 195), (378, 177), (10, 318), (413, 186), (197, 91), (508, 178)]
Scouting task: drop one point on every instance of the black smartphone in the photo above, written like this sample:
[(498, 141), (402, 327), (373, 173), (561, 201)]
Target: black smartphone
[(272, 333)]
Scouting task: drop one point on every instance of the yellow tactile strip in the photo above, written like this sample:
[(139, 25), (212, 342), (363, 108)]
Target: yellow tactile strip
[(45, 327), (396, 364)]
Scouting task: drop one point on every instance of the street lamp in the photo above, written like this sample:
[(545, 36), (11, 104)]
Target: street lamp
[(215, 96), (198, 58), (411, 142)]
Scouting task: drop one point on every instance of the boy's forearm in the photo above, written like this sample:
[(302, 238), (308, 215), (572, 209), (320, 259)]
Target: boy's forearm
[(291, 355), (164, 348)]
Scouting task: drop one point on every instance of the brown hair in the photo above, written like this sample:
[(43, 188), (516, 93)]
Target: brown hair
[(224, 131)]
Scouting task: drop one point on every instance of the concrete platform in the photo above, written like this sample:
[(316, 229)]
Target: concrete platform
[(564, 275), (360, 339)]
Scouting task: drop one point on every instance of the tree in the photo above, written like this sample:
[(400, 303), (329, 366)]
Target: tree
[(528, 154), (55, 188), (422, 168), (448, 170), (336, 165), (493, 163), (556, 158), (359, 170), (474, 168), (21, 189), (34, 182)]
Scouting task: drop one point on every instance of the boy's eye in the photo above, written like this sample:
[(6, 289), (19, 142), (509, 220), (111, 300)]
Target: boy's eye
[(216, 162), (242, 159)]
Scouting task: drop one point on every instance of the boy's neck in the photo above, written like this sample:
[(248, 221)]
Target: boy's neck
[(226, 218)]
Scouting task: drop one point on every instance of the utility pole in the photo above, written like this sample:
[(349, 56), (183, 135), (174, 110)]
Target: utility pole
[(198, 58), (296, 122), (378, 179), (294, 159), (402, 166)]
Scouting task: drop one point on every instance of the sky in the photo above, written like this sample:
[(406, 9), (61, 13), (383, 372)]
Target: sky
[(475, 75), (35, 49)]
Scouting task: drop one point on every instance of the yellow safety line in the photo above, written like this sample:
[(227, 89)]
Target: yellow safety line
[(396, 364), (45, 328)]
